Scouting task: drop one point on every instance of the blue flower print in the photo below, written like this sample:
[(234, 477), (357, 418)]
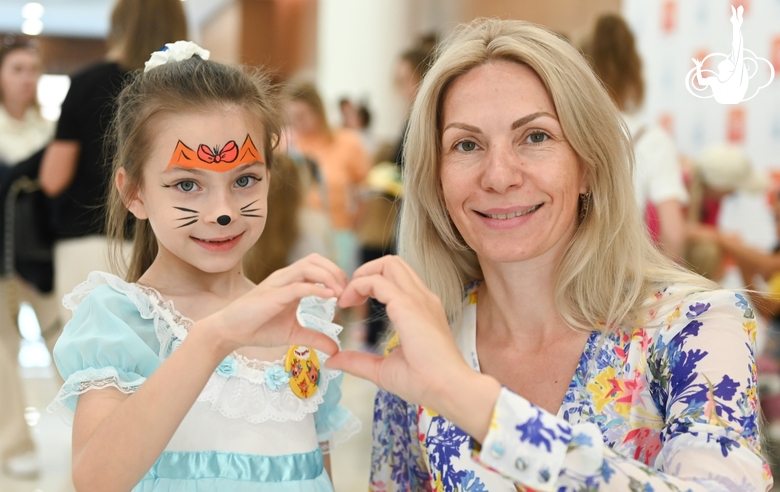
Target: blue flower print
[(228, 367), (276, 378), (535, 432)]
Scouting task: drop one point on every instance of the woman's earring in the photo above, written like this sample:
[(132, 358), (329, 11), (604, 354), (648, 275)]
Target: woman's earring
[(584, 204)]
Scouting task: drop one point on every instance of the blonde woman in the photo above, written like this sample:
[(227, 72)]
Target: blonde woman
[(544, 342)]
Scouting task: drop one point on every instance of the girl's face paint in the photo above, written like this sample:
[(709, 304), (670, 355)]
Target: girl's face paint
[(184, 196), (220, 159)]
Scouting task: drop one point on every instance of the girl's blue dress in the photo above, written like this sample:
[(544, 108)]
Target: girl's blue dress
[(247, 431)]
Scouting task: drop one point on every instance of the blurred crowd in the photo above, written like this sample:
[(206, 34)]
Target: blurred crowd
[(336, 191)]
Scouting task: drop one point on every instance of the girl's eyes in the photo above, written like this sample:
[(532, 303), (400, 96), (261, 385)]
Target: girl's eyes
[(246, 181), (187, 186)]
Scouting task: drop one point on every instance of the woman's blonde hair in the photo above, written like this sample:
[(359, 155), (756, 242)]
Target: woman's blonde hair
[(141, 27), (192, 85), (611, 267)]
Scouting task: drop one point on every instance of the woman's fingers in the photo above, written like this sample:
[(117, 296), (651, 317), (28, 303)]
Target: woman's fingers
[(360, 364)]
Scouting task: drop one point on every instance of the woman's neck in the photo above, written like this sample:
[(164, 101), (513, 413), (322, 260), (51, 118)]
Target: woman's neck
[(518, 300), (16, 110)]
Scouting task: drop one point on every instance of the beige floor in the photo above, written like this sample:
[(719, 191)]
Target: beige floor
[(350, 461)]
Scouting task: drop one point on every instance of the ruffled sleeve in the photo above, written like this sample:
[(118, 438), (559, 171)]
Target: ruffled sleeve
[(106, 344), (702, 377), (334, 423)]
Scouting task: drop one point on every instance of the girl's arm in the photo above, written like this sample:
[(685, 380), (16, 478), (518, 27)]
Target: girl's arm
[(117, 438)]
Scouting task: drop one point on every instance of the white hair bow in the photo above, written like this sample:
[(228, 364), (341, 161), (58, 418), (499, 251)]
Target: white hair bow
[(178, 51)]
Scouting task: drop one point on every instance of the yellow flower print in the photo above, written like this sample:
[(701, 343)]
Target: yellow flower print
[(749, 327), (473, 297), (675, 314), (603, 389)]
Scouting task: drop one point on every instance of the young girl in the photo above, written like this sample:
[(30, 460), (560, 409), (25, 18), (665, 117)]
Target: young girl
[(187, 376)]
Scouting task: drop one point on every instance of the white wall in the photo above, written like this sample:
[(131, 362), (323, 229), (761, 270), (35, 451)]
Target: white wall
[(702, 26)]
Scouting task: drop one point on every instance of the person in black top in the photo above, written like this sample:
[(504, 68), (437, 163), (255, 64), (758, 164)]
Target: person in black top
[(76, 166)]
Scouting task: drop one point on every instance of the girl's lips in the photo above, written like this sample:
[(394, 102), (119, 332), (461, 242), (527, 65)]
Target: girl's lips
[(218, 246)]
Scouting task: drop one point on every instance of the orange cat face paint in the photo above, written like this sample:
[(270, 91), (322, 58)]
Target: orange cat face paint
[(229, 157)]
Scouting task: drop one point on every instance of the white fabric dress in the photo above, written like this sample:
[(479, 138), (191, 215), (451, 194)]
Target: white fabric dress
[(247, 431)]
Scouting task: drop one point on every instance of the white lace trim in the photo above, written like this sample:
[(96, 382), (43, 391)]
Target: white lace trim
[(342, 435), (240, 395), (89, 379)]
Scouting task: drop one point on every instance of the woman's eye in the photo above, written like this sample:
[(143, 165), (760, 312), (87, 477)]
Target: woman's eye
[(187, 186), (246, 181), (537, 138), (466, 146)]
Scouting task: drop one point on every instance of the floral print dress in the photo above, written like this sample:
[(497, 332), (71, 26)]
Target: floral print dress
[(668, 405)]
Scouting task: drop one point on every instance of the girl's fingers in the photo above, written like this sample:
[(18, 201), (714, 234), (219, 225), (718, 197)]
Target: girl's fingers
[(312, 338), (313, 268), (294, 292), (360, 364)]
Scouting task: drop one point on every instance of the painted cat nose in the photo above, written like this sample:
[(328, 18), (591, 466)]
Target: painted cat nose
[(223, 220)]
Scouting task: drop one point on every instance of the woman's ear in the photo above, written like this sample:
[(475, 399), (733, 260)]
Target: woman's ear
[(134, 202)]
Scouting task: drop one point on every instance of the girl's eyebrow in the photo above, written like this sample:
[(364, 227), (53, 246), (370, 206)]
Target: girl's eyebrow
[(201, 172)]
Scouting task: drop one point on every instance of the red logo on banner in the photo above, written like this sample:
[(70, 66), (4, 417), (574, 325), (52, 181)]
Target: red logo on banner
[(745, 5), (666, 120), (774, 56), (700, 55), (735, 125), (669, 16)]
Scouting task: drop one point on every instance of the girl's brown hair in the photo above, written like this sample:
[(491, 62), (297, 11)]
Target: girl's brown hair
[(282, 230), (307, 93), (611, 51), (192, 85), (141, 27)]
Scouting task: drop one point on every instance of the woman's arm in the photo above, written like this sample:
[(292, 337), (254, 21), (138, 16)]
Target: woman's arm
[(705, 385), (59, 166)]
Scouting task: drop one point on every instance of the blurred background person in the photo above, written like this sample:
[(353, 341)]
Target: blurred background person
[(291, 232), (411, 69), (720, 171), (342, 161), (23, 133), (76, 164), (658, 180)]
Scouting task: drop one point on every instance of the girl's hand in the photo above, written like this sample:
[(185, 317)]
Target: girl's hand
[(265, 316), (427, 366)]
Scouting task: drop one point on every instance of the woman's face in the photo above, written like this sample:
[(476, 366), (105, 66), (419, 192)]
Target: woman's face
[(303, 118), (19, 75), (509, 178)]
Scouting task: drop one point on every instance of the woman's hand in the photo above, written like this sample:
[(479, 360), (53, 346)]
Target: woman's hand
[(426, 368), (265, 316)]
